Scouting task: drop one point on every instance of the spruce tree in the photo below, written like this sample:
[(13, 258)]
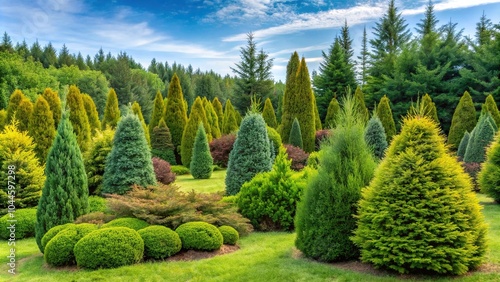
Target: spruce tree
[(158, 112), (55, 105), (65, 192), (176, 115), (419, 212), (250, 155), (332, 113), (489, 176), (129, 162), (324, 220), (136, 109), (296, 135), (463, 145), (464, 119), (218, 110), (229, 123), (384, 113), (41, 128), (111, 111), (201, 160), (429, 108), (375, 137), (269, 115), (92, 115), (161, 143), (359, 99), (23, 114), (491, 106), (95, 159), (15, 99), (196, 116), (78, 117)]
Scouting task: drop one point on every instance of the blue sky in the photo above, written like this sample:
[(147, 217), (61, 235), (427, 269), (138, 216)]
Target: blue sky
[(208, 34)]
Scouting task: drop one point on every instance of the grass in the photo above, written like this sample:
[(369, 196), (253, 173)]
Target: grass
[(215, 183)]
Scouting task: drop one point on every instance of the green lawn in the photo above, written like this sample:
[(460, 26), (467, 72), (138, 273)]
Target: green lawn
[(213, 184)]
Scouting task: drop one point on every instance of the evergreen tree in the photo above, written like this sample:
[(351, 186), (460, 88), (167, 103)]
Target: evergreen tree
[(384, 113), (92, 115), (491, 106), (15, 99), (201, 160), (136, 109), (41, 128), (78, 117), (463, 145), (111, 111), (176, 115), (375, 137), (218, 110), (161, 143), (489, 176), (290, 85), (317, 119), (212, 120), (324, 220), (359, 99), (129, 162), (364, 56), (23, 114), (332, 113), (269, 115), (6, 45), (49, 56), (3, 118), (55, 105), (429, 108), (95, 159), (229, 123), (346, 44), (65, 192), (480, 137), (250, 155), (158, 112), (409, 218), (196, 116), (296, 135), (464, 120)]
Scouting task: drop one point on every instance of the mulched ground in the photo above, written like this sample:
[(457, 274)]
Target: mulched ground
[(196, 255)]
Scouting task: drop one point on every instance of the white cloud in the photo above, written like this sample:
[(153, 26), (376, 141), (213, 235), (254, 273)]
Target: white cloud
[(449, 5), (256, 11)]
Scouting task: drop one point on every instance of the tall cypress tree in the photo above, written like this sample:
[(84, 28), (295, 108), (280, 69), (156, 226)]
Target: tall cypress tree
[(291, 78), (220, 113), (317, 119), (229, 123), (78, 117), (332, 113), (161, 143), (92, 115), (464, 120), (55, 105), (65, 193), (196, 116), (158, 112), (23, 114), (176, 114), (136, 109), (359, 99), (384, 113), (269, 115), (212, 119), (41, 128), (15, 99), (111, 111)]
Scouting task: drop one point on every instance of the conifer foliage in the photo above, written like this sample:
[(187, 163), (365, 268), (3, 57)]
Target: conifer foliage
[(55, 105), (157, 114), (136, 109), (201, 161), (161, 143), (375, 137), (480, 137), (23, 114), (229, 124), (491, 106), (331, 113), (78, 117), (464, 119), (218, 110), (419, 212), (111, 111), (269, 115), (384, 113), (176, 114), (41, 128), (14, 101), (296, 135), (489, 177), (95, 159), (196, 116), (92, 114)]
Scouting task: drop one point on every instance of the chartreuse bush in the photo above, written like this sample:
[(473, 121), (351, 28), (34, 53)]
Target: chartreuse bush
[(464, 119), (25, 224), (160, 242), (489, 176), (200, 236), (384, 112), (95, 159), (53, 232), (109, 248), (130, 222), (59, 250), (419, 213), (275, 138), (229, 235)]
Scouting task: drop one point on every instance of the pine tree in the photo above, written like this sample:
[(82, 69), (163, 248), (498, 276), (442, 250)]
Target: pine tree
[(78, 117), (269, 115), (491, 106), (218, 110), (359, 99), (375, 137), (384, 113), (196, 116), (229, 123), (201, 160), (290, 85), (65, 192), (136, 109), (161, 143), (55, 105), (250, 155), (95, 159), (92, 115), (489, 176), (158, 112), (429, 108), (463, 145), (15, 99), (111, 111), (176, 115), (296, 135), (464, 119), (23, 114), (41, 128), (419, 212), (129, 162)]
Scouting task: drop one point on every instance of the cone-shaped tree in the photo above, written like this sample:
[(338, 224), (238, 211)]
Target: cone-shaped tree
[(480, 137), (158, 112), (291, 78), (15, 99), (161, 143), (489, 176), (296, 135), (317, 119), (429, 108), (111, 111), (463, 145), (269, 115), (78, 117), (95, 159), (491, 106), (384, 113), (55, 105), (201, 161), (196, 116), (332, 113), (464, 119), (41, 128), (136, 109), (359, 97), (324, 218), (129, 162), (229, 124), (65, 192), (218, 110), (375, 137), (92, 114), (23, 114), (176, 114), (250, 155), (212, 120), (419, 212)]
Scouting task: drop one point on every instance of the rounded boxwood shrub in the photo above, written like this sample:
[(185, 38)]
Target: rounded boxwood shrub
[(25, 224), (229, 234), (130, 222), (59, 250), (160, 242), (52, 233), (199, 235), (109, 248)]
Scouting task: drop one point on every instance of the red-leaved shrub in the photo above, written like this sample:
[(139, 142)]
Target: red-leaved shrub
[(473, 169), (320, 136), (162, 171), (220, 149), (298, 157)]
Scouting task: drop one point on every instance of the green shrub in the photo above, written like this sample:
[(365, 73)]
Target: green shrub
[(179, 169), (97, 204), (98, 218), (202, 162), (313, 160), (464, 120), (196, 117), (295, 135), (375, 137), (161, 143), (160, 242), (332, 113), (199, 235), (130, 222), (95, 159), (25, 224), (275, 138), (109, 248), (269, 115), (229, 235), (59, 250), (384, 112), (489, 176), (53, 232)]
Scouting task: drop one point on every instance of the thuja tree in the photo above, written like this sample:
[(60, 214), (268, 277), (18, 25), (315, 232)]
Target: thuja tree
[(489, 176), (218, 110), (157, 114), (250, 155), (15, 99), (41, 128), (332, 113), (201, 160), (384, 113), (464, 119), (78, 117), (136, 109), (463, 145), (212, 120), (317, 119), (429, 108), (269, 115), (65, 192), (176, 114), (196, 116), (290, 84), (111, 111), (375, 137), (161, 143), (95, 159), (359, 97), (419, 212), (92, 114), (55, 105), (295, 135), (325, 219), (230, 124), (491, 106), (129, 162), (23, 114), (480, 137)]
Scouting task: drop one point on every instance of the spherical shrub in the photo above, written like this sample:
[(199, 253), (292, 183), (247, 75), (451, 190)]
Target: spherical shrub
[(109, 248), (229, 234), (298, 157), (163, 171), (160, 242), (199, 235), (97, 204), (53, 232), (130, 222), (25, 224), (220, 149), (59, 250)]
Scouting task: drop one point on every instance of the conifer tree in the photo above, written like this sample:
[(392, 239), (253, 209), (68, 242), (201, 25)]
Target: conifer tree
[(196, 116), (480, 137), (111, 111), (463, 145), (269, 115), (176, 115), (218, 110), (158, 112), (3, 118), (92, 115), (201, 160), (129, 162), (212, 120), (384, 113), (78, 117), (161, 143), (15, 99), (290, 85), (464, 120), (359, 99), (229, 123), (375, 137), (23, 114), (317, 119), (489, 176), (429, 108), (332, 113), (409, 217), (136, 109), (55, 105), (95, 159), (65, 192), (296, 135), (41, 128), (491, 106)]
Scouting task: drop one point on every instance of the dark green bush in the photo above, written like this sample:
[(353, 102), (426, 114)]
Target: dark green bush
[(229, 235), (179, 169), (25, 224), (97, 204), (201, 160), (199, 235), (109, 248), (375, 137), (295, 135), (59, 250), (130, 222), (160, 242), (53, 232)]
